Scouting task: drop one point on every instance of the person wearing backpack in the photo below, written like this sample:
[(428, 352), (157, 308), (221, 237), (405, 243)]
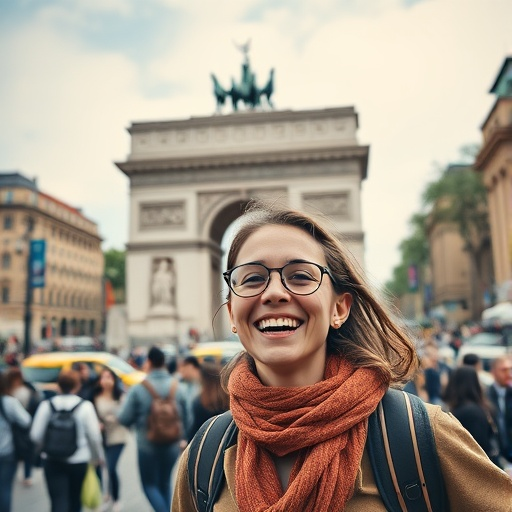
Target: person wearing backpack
[(308, 392), (11, 411), (67, 431), (158, 438)]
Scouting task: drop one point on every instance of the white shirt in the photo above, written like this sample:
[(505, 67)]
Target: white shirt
[(89, 440)]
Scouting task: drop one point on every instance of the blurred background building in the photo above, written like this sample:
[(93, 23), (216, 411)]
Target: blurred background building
[(71, 300)]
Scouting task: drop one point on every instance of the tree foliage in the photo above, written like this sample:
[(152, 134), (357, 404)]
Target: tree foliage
[(115, 268)]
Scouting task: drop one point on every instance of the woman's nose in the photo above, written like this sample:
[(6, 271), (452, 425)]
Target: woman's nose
[(275, 290)]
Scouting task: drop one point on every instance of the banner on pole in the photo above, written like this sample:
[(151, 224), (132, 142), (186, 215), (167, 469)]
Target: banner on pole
[(37, 263)]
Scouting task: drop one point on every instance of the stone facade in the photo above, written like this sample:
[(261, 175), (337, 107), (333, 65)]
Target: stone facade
[(189, 180), (495, 162), (72, 300)]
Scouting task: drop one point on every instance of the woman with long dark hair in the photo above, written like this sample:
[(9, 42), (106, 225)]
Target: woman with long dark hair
[(11, 411), (212, 399), (466, 402), (107, 398)]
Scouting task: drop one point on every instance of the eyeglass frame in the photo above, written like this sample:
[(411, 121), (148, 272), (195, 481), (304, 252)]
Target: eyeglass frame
[(279, 270)]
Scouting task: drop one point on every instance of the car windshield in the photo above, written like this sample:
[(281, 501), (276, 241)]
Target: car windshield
[(32, 374), (485, 338), (116, 363)]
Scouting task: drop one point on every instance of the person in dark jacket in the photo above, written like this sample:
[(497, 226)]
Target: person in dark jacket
[(500, 396), (466, 402)]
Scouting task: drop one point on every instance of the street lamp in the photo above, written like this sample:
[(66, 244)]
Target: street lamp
[(27, 317)]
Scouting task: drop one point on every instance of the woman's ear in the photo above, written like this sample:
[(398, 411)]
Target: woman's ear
[(341, 309)]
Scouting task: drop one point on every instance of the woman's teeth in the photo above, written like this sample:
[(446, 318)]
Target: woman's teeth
[(278, 324)]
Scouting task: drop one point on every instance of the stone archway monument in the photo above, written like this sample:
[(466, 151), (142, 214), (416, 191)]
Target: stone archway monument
[(189, 180)]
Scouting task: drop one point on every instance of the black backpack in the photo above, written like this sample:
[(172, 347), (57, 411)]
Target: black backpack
[(60, 439), (400, 445)]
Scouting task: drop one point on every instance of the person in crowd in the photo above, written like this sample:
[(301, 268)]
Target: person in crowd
[(64, 477), (436, 374), (320, 353), (190, 385), (11, 411), (500, 396), (155, 460), (485, 378), (466, 402), (211, 400), (107, 398), (87, 381), (30, 398)]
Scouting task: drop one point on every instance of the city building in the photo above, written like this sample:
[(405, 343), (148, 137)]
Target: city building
[(71, 302), (495, 162)]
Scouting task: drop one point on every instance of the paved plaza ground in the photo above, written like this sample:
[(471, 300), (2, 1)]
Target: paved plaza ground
[(35, 498)]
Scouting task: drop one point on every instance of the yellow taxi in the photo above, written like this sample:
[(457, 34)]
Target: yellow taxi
[(42, 370), (219, 352)]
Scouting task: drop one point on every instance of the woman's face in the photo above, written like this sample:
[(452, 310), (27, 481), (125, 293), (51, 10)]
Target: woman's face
[(106, 380), (294, 356)]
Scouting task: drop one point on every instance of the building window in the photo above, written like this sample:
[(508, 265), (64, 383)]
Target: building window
[(7, 222), (5, 294), (8, 196), (6, 260)]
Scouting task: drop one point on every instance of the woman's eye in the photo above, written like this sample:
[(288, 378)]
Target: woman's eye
[(301, 276), (253, 279)]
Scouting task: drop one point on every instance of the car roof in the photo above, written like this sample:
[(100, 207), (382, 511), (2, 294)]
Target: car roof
[(49, 358)]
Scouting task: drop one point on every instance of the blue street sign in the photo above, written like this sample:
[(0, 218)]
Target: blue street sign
[(37, 263)]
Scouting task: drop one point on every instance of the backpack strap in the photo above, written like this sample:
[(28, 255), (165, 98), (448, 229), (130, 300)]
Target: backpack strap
[(206, 459), (404, 460), (151, 389), (72, 410), (155, 395), (2, 411)]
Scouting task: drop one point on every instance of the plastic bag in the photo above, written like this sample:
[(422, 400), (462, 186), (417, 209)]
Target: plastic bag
[(91, 490)]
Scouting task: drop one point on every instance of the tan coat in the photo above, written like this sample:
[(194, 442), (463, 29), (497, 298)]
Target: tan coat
[(473, 483)]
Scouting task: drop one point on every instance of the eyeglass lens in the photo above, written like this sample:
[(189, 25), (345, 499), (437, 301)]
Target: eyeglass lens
[(299, 278)]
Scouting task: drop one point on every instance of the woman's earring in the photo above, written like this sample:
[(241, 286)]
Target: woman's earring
[(233, 330)]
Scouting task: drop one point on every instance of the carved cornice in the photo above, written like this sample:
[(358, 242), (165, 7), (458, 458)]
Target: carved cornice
[(242, 118), (133, 168), (183, 245), (501, 135)]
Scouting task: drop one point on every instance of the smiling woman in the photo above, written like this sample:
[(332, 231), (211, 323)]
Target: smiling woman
[(320, 354)]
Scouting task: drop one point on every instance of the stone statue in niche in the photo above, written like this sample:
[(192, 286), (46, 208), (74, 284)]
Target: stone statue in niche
[(163, 286)]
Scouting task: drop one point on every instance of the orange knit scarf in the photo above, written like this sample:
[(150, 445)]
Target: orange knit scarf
[(326, 423)]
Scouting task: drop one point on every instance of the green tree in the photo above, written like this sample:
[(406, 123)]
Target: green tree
[(459, 198), (414, 250), (115, 262)]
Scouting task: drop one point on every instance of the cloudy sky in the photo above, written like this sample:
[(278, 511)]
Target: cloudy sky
[(76, 73)]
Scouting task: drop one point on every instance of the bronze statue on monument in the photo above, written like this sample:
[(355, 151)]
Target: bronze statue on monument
[(246, 90)]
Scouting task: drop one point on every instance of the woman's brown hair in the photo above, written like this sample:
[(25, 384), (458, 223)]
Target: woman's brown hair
[(369, 337), (212, 396)]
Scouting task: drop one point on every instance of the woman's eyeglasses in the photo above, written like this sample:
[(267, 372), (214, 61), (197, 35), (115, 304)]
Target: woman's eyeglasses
[(298, 277)]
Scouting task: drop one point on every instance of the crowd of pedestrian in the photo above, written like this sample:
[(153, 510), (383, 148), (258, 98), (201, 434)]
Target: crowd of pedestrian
[(104, 413)]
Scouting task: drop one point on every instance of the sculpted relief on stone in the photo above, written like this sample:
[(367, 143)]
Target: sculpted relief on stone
[(331, 204), (162, 287), (162, 215)]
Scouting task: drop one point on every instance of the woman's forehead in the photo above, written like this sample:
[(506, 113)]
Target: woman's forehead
[(283, 243)]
